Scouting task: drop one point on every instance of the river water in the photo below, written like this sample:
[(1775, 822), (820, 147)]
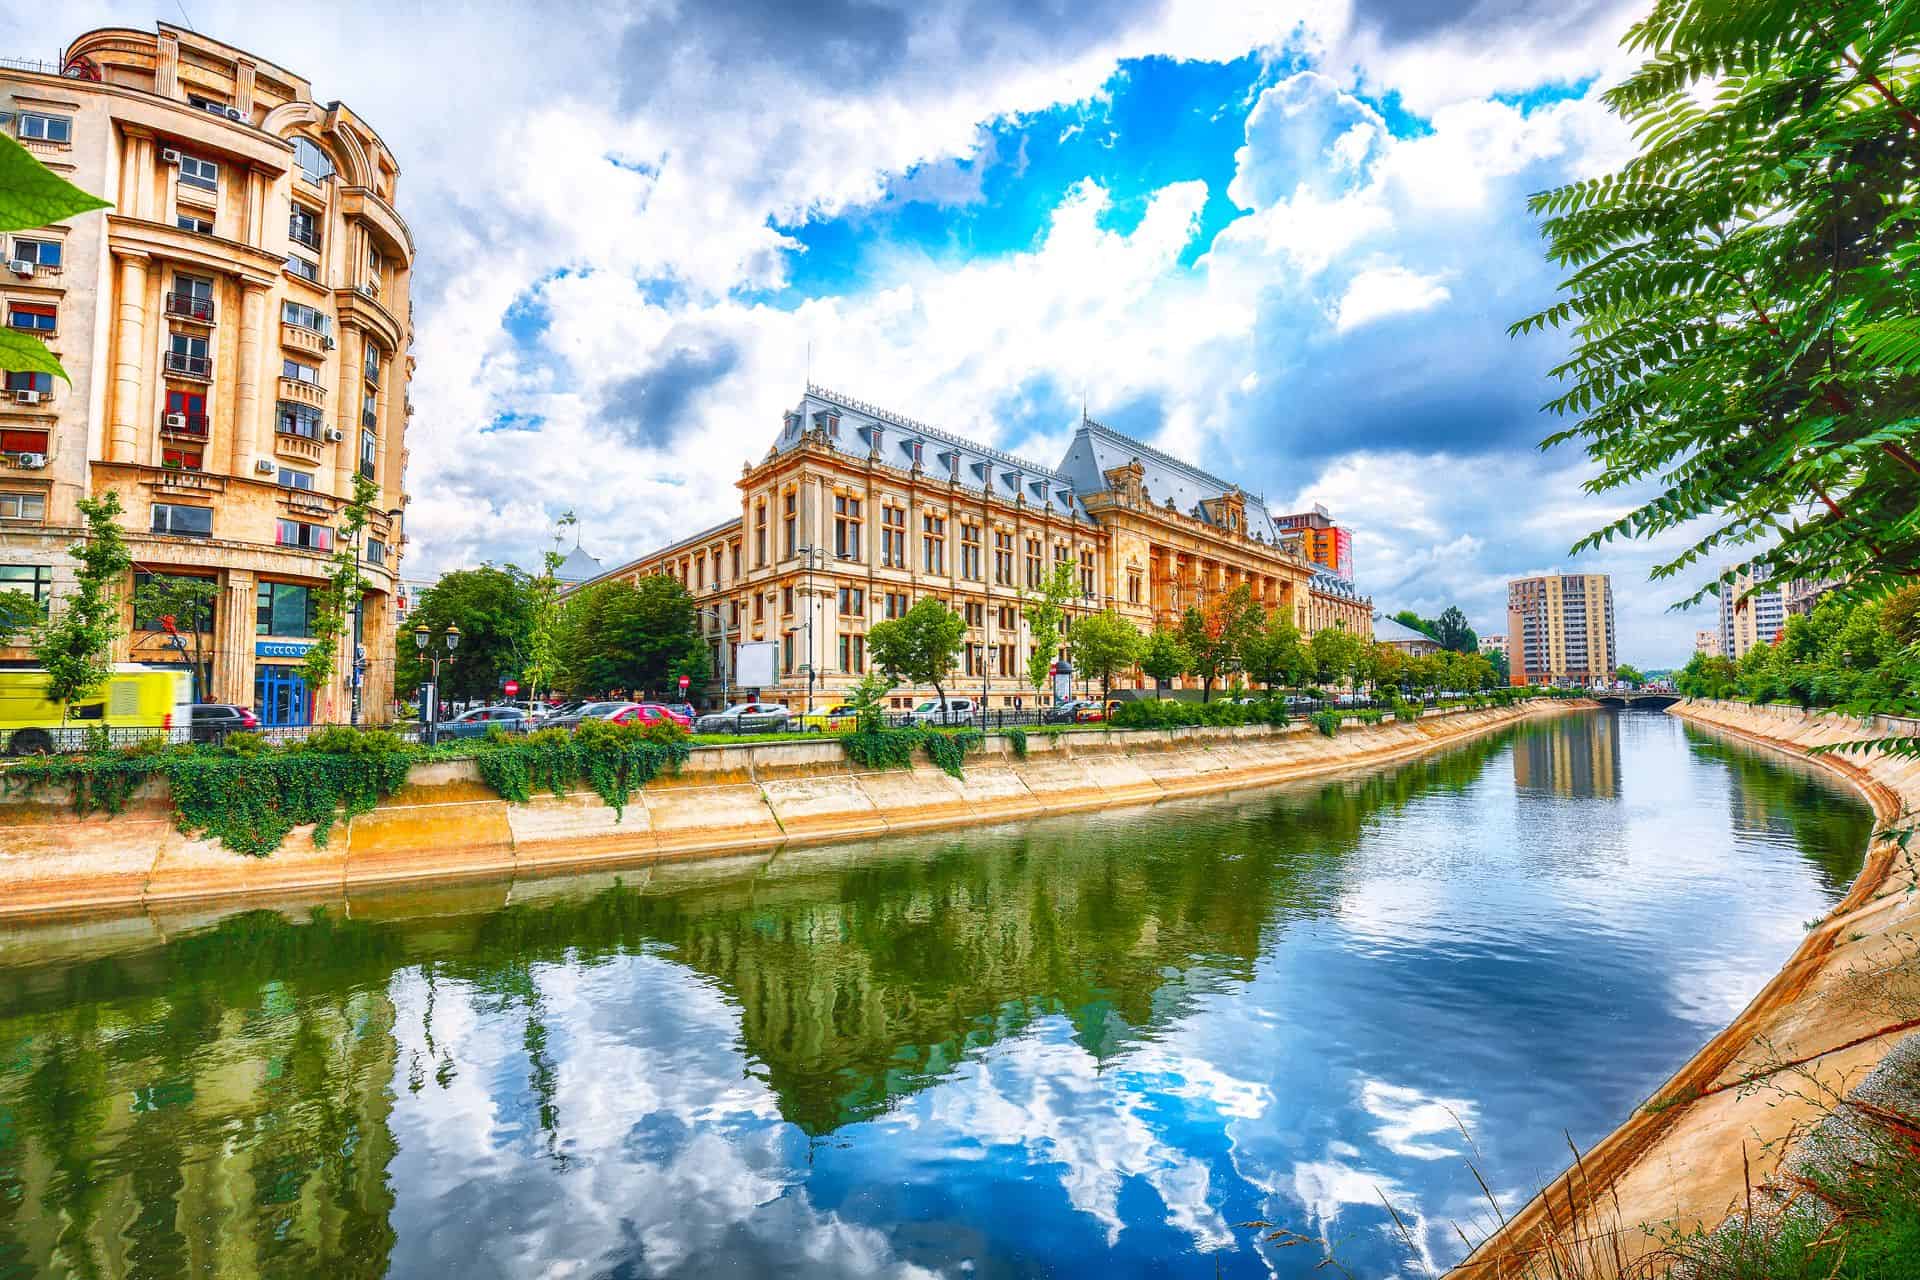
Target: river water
[(1080, 1046)]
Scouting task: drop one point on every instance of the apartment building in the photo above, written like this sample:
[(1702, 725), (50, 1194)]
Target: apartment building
[(237, 328), (1321, 540), (1749, 617), (1560, 629)]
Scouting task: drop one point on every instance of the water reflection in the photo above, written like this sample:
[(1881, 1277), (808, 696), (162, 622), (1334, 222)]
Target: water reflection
[(1079, 1046)]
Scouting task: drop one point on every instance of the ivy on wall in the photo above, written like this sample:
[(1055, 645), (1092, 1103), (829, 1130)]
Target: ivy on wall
[(614, 760)]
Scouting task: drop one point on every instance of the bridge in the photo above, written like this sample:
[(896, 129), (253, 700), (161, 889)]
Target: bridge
[(1657, 699)]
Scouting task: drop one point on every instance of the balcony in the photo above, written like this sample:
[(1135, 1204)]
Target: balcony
[(300, 448), (300, 338), (189, 306), (181, 364), (184, 426), (300, 391), (304, 235), (368, 418)]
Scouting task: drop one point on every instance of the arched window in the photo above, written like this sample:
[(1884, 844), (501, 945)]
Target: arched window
[(313, 162)]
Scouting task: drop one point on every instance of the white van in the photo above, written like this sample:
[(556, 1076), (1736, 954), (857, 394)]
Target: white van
[(957, 711)]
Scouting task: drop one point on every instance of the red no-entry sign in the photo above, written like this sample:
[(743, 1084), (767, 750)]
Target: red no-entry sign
[(684, 682), (512, 687)]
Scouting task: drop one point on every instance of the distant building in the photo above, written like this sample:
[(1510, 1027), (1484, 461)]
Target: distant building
[(1322, 541), (1413, 643), (1749, 617), (1560, 629), (1707, 643), (1804, 593), (578, 567), (1496, 643)]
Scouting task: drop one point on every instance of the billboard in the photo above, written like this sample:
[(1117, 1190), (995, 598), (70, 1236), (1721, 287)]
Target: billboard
[(757, 664)]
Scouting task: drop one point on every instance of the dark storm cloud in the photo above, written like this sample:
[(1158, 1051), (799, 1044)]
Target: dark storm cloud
[(649, 409), (1403, 21)]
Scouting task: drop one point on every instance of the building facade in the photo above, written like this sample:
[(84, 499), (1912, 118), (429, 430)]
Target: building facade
[(1495, 643), (1706, 643), (1560, 629), (855, 512), (1415, 644), (1749, 617), (237, 328), (1321, 540), (1802, 594)]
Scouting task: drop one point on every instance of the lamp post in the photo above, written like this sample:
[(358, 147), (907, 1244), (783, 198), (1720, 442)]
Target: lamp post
[(810, 551), (726, 658), (430, 706)]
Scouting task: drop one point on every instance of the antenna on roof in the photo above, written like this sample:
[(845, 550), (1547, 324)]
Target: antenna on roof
[(809, 361)]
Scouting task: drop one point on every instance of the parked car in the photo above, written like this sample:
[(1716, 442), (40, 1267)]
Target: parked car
[(837, 719), (955, 711), (650, 713), (1074, 711), (475, 723), (585, 711), (745, 717), (684, 709), (213, 721)]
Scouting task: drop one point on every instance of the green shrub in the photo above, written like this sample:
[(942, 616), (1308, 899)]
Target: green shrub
[(1405, 712), (1017, 738), (877, 748), (949, 749), (1327, 722), (614, 760)]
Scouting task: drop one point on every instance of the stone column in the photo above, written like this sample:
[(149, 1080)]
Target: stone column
[(347, 409), (130, 350), (233, 654), (247, 397)]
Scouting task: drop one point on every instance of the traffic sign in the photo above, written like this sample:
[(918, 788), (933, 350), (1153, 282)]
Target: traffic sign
[(511, 687), (684, 682)]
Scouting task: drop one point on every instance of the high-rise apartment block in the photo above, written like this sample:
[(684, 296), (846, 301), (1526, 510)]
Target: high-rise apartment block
[(1321, 540), (1749, 617), (1560, 629)]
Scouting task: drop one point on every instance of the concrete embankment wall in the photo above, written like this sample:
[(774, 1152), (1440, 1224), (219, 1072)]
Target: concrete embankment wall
[(1846, 996), (445, 822)]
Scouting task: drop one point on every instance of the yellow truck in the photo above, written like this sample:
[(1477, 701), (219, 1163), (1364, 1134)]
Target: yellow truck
[(135, 697)]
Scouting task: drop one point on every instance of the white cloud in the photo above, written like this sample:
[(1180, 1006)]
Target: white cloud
[(1386, 291)]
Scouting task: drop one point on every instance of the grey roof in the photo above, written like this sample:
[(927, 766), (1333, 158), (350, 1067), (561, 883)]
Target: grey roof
[(1097, 449), (577, 567), (867, 431), (1387, 631), (1333, 584)]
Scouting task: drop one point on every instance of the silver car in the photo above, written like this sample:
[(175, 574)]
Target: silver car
[(745, 717)]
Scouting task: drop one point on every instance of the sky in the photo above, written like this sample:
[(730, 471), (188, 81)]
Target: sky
[(1283, 240)]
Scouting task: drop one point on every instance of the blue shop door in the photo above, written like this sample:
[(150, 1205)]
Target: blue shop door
[(280, 696)]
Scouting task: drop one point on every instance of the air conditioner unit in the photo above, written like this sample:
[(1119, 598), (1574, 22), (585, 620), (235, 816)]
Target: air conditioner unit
[(264, 466), (33, 461), (233, 113), (22, 266), (333, 435), (169, 156), (370, 289), (175, 422), (27, 397), (326, 341)]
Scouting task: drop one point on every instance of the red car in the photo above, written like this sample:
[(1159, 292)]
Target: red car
[(651, 713)]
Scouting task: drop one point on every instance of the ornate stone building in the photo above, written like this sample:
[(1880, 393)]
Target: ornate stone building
[(237, 327), (856, 512)]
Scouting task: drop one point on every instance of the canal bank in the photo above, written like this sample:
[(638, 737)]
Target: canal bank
[(446, 823), (1850, 992)]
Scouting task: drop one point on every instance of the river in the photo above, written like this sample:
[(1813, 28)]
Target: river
[(1090, 1045)]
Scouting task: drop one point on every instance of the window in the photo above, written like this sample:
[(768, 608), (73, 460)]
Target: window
[(1004, 618), (23, 440), (303, 227), (291, 419), (199, 226), (23, 506), (786, 654), (853, 602), (200, 620), (207, 104), (1002, 558), (41, 382), (283, 609), (314, 164), (39, 127), (185, 522), (307, 373), (976, 614), (306, 317), (187, 355), (33, 579), (41, 253), (846, 527), (1033, 564), (174, 458), (296, 533), (195, 172), (733, 557), (370, 364), (786, 601), (186, 414), (374, 261), (370, 457), (759, 607), (893, 537), (33, 316), (789, 524), (307, 271), (853, 654), (291, 479), (1007, 659), (1086, 571), (895, 604), (933, 539), (1133, 586), (970, 551), (760, 535)]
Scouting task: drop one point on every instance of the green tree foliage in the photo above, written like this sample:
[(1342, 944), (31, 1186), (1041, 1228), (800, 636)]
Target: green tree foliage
[(1217, 637), (182, 606), (19, 611), (622, 637), (1453, 632), (1046, 614), (32, 195), (75, 645), (1498, 661), (1846, 653), (1103, 644), (541, 668), (340, 596), (1408, 618), (1274, 654), (919, 647), (493, 607), (1164, 657), (1336, 654), (1629, 675), (1745, 312)]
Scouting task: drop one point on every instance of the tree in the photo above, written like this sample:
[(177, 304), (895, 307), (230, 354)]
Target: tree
[(1746, 320), (1217, 637), (1497, 659), (32, 195), (183, 608), (76, 644), (631, 638), (1383, 664), (1336, 653), (1164, 657), (1453, 632), (1102, 644), (920, 646), (342, 594), (1274, 654), (1629, 676), (542, 665), (493, 607), (1408, 618), (1046, 614)]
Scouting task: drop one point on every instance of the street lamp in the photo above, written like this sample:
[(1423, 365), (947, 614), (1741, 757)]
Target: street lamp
[(810, 551), (430, 705), (726, 657)]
